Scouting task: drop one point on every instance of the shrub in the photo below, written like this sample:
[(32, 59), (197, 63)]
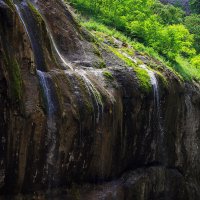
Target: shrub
[(195, 61)]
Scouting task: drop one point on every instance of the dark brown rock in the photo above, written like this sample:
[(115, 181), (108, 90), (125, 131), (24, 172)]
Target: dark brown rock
[(75, 127)]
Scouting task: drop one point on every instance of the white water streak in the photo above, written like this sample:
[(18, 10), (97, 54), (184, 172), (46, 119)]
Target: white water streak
[(92, 92), (65, 62), (51, 124), (154, 84), (22, 20)]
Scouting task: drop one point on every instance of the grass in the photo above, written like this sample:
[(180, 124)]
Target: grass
[(108, 75), (185, 69), (142, 75), (180, 67)]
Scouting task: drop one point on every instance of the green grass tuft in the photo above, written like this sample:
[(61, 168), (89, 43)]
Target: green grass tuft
[(142, 75), (108, 75)]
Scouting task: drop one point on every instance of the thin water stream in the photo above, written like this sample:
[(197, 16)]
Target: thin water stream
[(155, 87), (156, 95), (51, 124), (30, 25), (66, 63), (44, 79), (93, 92)]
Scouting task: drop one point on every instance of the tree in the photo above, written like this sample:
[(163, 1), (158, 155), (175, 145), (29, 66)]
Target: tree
[(195, 6), (192, 22), (168, 14)]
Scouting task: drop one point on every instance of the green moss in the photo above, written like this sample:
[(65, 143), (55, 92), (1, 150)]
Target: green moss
[(14, 77), (36, 14), (108, 75), (129, 62), (96, 51), (142, 75), (100, 65), (143, 78), (163, 79), (10, 4)]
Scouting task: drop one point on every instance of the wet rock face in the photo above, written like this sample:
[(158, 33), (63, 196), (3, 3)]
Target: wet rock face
[(63, 122)]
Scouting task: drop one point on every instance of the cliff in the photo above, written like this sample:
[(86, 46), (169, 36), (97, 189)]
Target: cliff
[(74, 114)]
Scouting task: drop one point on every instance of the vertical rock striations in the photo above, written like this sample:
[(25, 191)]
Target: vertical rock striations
[(62, 121)]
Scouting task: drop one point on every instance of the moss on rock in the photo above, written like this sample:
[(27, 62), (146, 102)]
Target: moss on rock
[(10, 4), (35, 13), (142, 75), (108, 75), (15, 79)]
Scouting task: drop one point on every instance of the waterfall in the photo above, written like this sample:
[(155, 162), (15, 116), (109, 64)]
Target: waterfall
[(24, 14), (29, 24), (66, 63), (47, 91), (156, 95), (93, 92), (155, 87), (51, 136), (154, 84), (51, 124)]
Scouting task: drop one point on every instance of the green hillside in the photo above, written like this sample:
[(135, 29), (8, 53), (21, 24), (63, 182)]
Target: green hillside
[(164, 32)]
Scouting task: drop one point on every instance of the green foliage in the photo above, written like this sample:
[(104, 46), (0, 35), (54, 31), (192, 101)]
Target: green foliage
[(185, 69), (192, 22), (195, 6), (195, 61), (174, 40), (180, 66), (148, 21), (161, 31), (168, 14), (167, 40)]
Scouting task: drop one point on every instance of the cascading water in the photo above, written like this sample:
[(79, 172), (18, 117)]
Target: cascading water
[(62, 59), (156, 95), (93, 92), (28, 21), (51, 138), (51, 124), (154, 84)]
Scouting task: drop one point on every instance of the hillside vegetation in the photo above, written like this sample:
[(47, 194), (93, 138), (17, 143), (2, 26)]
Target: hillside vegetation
[(163, 31)]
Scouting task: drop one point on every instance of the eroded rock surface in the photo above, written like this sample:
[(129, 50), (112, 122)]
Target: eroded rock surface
[(63, 123)]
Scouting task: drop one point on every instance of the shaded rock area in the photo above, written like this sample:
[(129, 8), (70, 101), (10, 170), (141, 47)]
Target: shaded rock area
[(75, 122)]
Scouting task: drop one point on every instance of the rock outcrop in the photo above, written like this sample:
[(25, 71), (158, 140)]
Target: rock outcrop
[(73, 115)]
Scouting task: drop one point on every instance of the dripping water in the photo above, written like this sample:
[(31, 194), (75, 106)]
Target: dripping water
[(28, 22), (154, 84), (30, 25), (51, 124), (156, 96), (66, 63), (93, 92)]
